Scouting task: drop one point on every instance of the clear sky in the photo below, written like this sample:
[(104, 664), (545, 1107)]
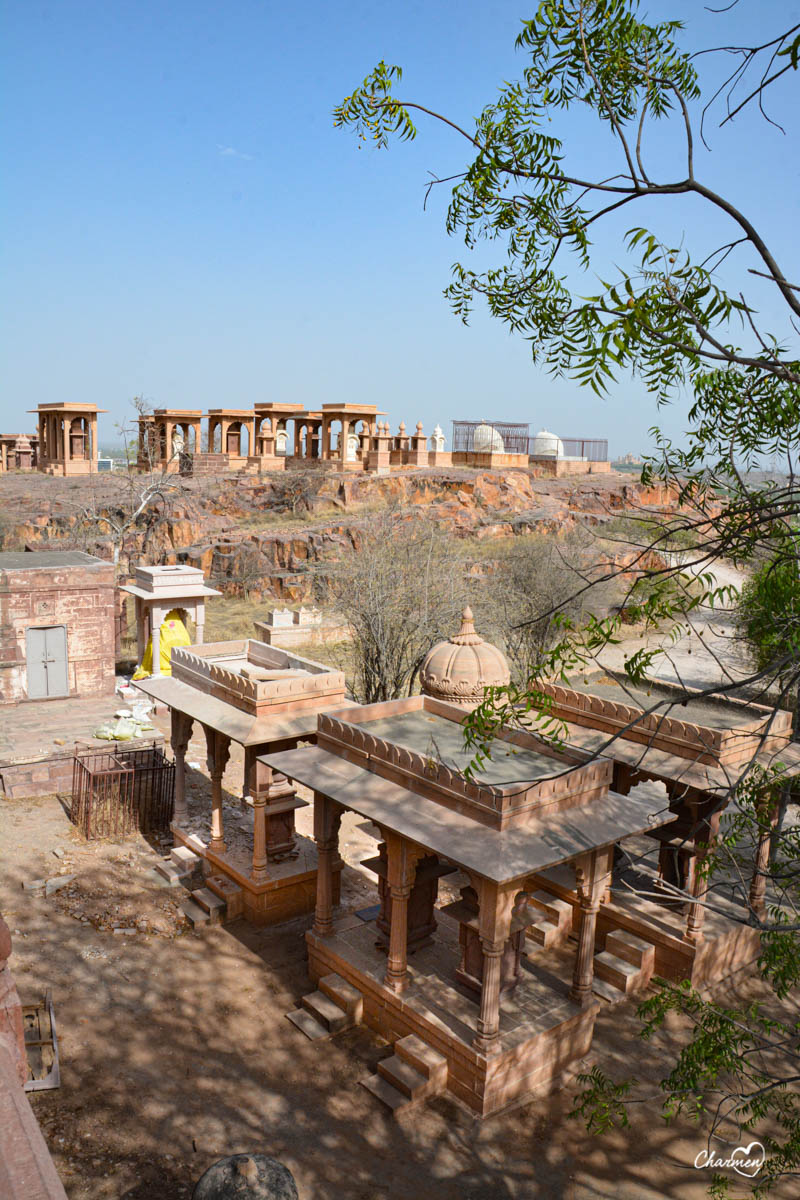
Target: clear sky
[(182, 221)]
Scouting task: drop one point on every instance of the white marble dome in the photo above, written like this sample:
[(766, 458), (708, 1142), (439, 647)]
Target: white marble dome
[(547, 445), (460, 669), (487, 440)]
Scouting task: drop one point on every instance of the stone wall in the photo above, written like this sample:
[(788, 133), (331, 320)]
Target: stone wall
[(80, 597)]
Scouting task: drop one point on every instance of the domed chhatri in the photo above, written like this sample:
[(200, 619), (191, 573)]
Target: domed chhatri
[(460, 669)]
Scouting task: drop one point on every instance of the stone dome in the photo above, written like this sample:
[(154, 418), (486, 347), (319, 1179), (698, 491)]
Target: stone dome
[(547, 445), (486, 440), (460, 669)]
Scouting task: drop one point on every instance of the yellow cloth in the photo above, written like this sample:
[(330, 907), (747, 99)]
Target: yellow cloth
[(173, 633)]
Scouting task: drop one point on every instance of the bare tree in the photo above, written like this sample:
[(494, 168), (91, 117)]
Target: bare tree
[(535, 591), (130, 501), (399, 590)]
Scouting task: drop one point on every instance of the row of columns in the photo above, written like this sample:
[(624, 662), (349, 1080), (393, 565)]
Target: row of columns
[(497, 905), (60, 442), (272, 797)]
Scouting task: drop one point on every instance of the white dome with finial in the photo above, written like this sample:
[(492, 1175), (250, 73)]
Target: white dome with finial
[(460, 669), (486, 440), (547, 445)]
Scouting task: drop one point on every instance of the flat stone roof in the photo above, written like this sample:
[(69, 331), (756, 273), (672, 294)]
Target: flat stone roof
[(235, 723), (443, 739), (708, 712), (32, 560), (499, 856)]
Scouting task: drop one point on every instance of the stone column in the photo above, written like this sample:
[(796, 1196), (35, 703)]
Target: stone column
[(327, 816), (489, 1018), (259, 873), (697, 909), (199, 622), (397, 964), (401, 869), (758, 884), (156, 617), (219, 748), (42, 427), (182, 726), (494, 926), (590, 890)]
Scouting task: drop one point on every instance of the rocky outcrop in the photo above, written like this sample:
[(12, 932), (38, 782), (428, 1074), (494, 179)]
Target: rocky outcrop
[(243, 533)]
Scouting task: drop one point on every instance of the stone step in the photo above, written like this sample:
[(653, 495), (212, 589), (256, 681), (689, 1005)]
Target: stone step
[(559, 911), (344, 995), (175, 876), (213, 905), (612, 994), (328, 1013), (423, 1058), (407, 1079), (618, 972), (544, 933), (632, 948), (182, 856), (228, 891), (386, 1093), (307, 1024), (194, 913)]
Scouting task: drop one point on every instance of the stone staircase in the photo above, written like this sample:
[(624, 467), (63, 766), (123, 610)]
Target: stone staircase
[(211, 901), (555, 923), (625, 967), (409, 1076), (335, 1006)]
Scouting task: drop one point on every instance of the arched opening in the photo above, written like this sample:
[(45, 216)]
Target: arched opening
[(77, 438), (281, 439), (215, 438)]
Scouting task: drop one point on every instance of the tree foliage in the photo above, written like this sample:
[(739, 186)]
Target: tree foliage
[(665, 315)]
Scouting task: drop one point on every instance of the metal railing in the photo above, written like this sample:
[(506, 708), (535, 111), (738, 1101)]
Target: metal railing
[(515, 436), (591, 449), (118, 792)]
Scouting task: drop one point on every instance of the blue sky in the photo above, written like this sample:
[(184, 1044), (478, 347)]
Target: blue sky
[(182, 220)]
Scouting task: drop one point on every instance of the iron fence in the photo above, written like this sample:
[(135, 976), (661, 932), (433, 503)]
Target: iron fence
[(515, 436), (592, 449), (117, 792)]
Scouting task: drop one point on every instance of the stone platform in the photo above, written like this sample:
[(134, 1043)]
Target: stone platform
[(290, 890), (32, 763), (727, 942), (543, 1034)]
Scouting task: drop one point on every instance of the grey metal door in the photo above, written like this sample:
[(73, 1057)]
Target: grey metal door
[(46, 654)]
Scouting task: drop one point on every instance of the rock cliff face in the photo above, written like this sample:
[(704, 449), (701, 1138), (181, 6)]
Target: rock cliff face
[(242, 532)]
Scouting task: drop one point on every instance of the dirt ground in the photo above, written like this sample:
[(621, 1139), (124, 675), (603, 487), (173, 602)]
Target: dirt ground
[(175, 1051)]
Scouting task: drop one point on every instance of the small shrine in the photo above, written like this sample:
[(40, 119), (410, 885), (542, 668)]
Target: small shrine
[(698, 747), (168, 438), (451, 985), (263, 699), (67, 438), (160, 590)]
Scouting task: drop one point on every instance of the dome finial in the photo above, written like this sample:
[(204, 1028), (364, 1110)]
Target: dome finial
[(466, 635)]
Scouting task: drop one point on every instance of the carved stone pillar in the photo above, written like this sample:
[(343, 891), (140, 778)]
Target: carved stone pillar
[(397, 964), (590, 889), (494, 925), (180, 735), (758, 884), (327, 817), (402, 858), (487, 1040), (697, 908), (219, 748)]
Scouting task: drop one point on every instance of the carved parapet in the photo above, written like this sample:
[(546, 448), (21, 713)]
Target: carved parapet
[(743, 737), (497, 806)]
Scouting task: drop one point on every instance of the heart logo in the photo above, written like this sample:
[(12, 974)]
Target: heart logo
[(751, 1158)]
